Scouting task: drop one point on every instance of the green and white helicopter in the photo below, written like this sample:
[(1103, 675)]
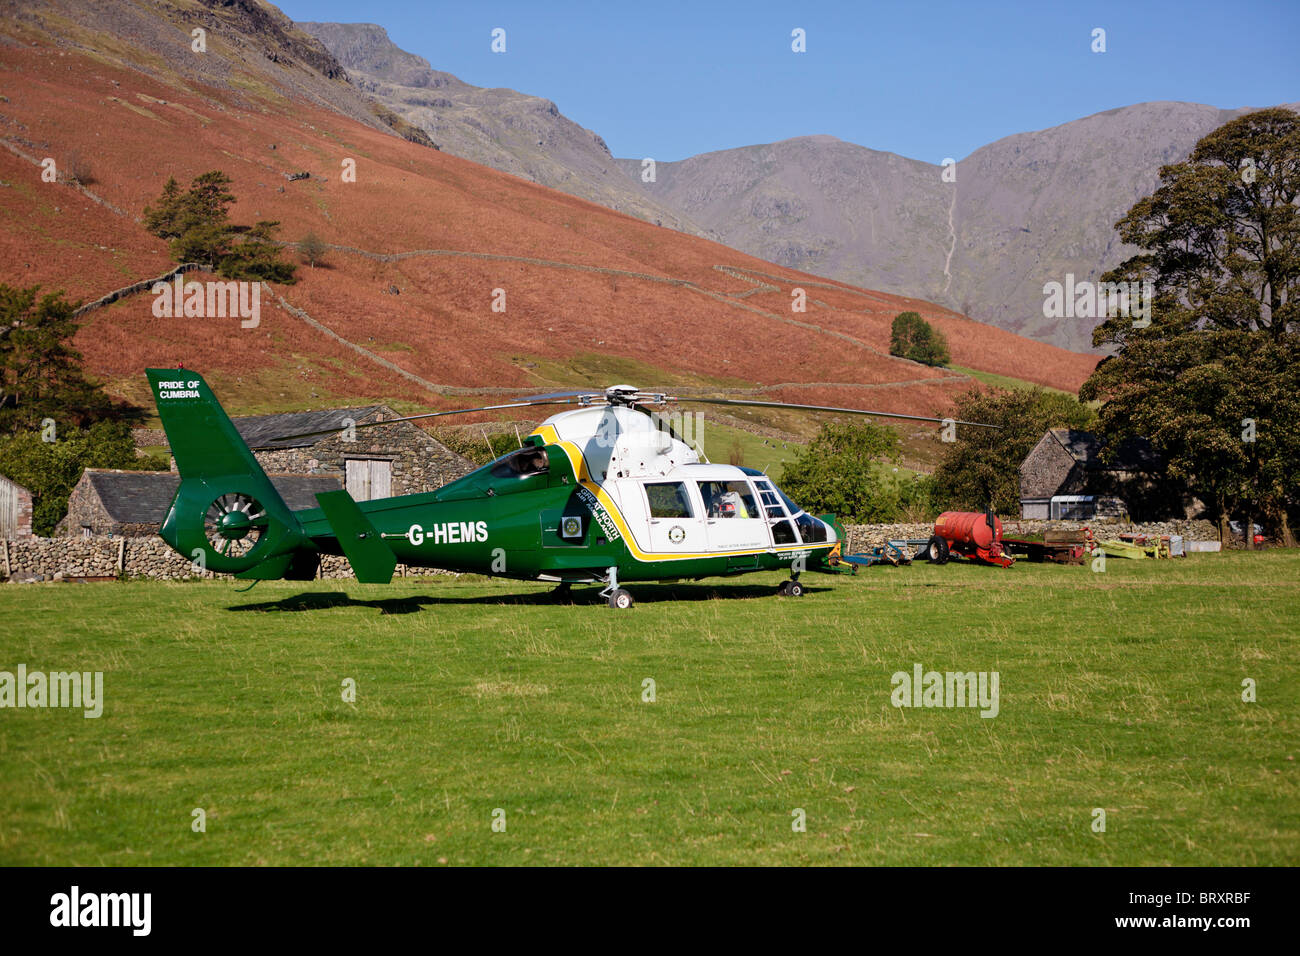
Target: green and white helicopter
[(607, 492)]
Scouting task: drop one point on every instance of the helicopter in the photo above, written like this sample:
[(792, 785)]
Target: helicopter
[(605, 492)]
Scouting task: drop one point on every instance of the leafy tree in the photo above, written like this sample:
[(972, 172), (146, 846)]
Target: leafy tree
[(982, 466), (49, 470), (1220, 245), (834, 473), (913, 338), (40, 372), (312, 248)]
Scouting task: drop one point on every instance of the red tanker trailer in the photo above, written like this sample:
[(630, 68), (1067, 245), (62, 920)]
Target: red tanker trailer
[(969, 534)]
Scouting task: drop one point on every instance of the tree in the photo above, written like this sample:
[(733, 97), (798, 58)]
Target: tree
[(982, 467), (312, 248), (834, 473), (49, 470), (197, 225), (257, 257), (1219, 244), (40, 372), (913, 338)]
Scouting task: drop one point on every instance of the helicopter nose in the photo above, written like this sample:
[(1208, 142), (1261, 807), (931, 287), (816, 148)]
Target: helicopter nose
[(831, 536)]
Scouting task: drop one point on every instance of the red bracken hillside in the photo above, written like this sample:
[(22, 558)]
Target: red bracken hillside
[(422, 239)]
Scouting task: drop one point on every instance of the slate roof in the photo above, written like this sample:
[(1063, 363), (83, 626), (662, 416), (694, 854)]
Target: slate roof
[(258, 431), (142, 497), (1134, 454)]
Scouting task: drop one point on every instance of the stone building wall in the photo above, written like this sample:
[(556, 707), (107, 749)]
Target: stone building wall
[(420, 463), (85, 508), (1044, 469)]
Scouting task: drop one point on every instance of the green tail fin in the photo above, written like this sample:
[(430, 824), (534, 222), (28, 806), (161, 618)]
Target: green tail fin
[(372, 561), (226, 513)]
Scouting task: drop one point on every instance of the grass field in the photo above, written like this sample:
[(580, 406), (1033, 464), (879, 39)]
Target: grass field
[(1120, 690)]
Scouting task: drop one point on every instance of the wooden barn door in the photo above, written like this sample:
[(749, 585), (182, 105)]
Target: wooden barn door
[(369, 478)]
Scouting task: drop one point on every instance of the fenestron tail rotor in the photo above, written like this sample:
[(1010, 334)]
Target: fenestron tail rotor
[(234, 524)]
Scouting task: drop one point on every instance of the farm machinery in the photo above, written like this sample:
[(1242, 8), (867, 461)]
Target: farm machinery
[(967, 535)]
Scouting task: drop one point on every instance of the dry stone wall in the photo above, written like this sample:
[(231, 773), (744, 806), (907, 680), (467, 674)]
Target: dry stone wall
[(865, 536), (54, 559), (47, 559)]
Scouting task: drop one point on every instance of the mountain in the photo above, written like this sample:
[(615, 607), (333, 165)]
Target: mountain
[(519, 134), (1022, 211), (419, 247)]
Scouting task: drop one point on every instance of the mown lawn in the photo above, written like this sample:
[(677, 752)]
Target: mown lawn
[(1120, 690)]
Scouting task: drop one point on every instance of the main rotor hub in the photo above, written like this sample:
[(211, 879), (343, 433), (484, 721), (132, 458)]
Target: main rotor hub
[(621, 394)]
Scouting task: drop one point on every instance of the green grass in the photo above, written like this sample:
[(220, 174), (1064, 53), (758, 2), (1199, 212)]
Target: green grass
[(1119, 690), (1005, 381), (756, 451)]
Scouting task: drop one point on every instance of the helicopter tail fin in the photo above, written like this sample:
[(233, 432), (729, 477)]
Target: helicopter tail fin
[(372, 561), (227, 515)]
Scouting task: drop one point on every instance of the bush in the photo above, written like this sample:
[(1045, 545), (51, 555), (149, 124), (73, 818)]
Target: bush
[(913, 338), (834, 473)]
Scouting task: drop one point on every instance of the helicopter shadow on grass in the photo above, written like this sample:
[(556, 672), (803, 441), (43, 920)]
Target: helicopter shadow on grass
[(648, 594)]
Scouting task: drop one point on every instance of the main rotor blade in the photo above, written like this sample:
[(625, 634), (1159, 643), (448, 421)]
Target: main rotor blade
[(588, 392), (826, 408), (411, 418)]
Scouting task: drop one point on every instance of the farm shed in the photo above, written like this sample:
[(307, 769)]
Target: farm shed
[(1067, 462), (15, 510), (397, 459)]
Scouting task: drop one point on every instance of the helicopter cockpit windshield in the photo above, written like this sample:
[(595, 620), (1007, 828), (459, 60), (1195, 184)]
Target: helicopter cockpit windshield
[(521, 464), (785, 516)]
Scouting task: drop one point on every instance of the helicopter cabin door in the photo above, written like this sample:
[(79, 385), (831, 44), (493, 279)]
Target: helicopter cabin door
[(674, 518), (732, 516)]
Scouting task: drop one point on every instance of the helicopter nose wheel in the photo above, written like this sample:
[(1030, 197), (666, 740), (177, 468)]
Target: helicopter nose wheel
[(790, 589), (618, 597)]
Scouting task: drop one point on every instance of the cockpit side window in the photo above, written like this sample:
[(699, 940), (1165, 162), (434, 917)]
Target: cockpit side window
[(668, 499), (523, 463)]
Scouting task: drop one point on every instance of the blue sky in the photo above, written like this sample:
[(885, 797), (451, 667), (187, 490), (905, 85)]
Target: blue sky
[(927, 80)]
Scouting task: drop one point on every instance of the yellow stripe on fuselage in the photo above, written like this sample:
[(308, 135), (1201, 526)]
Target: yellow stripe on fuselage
[(549, 435)]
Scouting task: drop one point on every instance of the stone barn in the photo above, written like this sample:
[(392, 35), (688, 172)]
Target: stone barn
[(108, 501), (397, 459), (15, 510), (1070, 462)]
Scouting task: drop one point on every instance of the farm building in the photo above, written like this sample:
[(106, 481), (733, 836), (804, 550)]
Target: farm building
[(1070, 465), (134, 503), (15, 510), (397, 459)]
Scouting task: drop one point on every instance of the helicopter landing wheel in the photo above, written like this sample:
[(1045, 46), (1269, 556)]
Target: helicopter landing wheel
[(790, 589), (621, 599)]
